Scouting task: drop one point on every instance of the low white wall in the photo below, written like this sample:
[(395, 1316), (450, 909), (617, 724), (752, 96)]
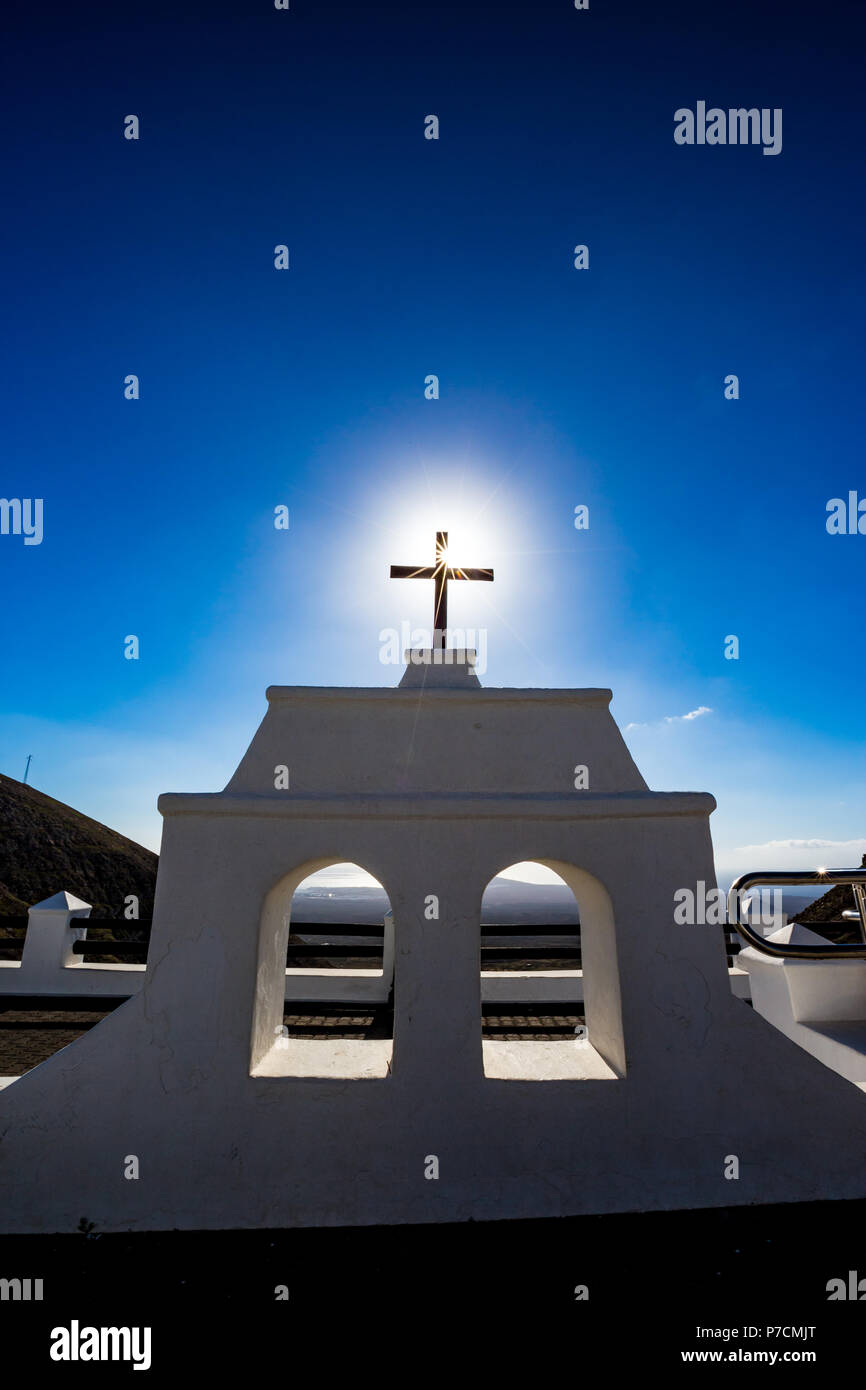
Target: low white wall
[(818, 1004), (48, 965)]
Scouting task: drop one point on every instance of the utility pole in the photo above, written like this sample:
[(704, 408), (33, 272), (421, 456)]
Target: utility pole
[(27, 768)]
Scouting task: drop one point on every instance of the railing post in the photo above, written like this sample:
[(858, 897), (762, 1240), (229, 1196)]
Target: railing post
[(52, 927)]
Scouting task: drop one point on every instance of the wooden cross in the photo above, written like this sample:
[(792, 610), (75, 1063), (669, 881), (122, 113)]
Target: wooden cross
[(440, 573)]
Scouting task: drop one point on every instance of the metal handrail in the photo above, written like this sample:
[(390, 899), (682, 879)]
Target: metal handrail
[(828, 877)]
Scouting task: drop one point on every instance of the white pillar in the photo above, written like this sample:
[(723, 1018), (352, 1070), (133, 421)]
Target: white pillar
[(52, 928)]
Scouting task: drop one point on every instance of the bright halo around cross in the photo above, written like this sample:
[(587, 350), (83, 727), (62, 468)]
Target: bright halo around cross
[(475, 504)]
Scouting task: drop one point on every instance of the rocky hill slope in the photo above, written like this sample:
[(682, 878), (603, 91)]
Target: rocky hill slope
[(46, 846)]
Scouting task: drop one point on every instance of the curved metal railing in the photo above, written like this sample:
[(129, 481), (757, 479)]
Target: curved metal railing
[(824, 877)]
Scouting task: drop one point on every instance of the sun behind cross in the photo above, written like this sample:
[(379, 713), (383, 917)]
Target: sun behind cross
[(440, 572)]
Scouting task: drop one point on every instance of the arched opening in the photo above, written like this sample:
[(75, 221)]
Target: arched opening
[(550, 996), (325, 984)]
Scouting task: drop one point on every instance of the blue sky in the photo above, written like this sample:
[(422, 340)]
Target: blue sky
[(558, 387)]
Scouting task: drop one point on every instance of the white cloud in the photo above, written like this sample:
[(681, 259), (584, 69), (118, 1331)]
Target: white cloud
[(858, 845), (673, 719), (793, 855)]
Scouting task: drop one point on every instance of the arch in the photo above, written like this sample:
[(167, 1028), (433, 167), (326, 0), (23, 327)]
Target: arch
[(273, 939), (602, 1002)]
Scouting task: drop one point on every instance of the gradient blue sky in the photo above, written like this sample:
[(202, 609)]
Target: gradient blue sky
[(558, 387)]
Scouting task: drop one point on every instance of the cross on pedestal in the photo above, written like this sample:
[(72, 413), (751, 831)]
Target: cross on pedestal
[(440, 573)]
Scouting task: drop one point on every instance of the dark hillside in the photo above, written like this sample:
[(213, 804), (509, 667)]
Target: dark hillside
[(46, 846), (828, 910)]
